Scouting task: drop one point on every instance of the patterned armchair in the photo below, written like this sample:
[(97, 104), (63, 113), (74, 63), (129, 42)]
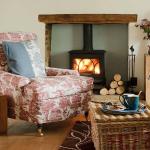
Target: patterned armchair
[(63, 93)]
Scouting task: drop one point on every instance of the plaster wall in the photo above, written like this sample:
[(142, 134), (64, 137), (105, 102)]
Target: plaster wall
[(22, 15)]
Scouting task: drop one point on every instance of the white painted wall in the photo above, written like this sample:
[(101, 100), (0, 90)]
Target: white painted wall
[(21, 15)]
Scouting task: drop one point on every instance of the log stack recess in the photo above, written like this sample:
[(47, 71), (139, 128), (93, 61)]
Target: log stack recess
[(116, 86)]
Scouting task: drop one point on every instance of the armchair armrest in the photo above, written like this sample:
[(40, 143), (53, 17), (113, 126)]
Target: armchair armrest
[(58, 72), (12, 80)]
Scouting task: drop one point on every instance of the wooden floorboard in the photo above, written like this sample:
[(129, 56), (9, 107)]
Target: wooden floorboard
[(23, 136)]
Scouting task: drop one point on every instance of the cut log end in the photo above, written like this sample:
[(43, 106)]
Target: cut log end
[(120, 90), (113, 84), (111, 91), (117, 77), (120, 83), (103, 91)]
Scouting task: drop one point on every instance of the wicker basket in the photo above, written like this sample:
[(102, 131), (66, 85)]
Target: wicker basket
[(128, 132)]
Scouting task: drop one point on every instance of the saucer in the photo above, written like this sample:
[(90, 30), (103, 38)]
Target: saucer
[(107, 108)]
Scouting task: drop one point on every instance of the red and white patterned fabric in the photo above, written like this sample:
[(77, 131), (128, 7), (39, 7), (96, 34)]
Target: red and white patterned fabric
[(12, 80), (14, 37), (17, 36), (11, 86), (60, 95), (51, 110), (37, 101), (57, 86), (43, 100), (3, 60), (58, 72)]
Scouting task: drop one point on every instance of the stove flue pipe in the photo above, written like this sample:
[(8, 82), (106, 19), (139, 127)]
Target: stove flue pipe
[(87, 37)]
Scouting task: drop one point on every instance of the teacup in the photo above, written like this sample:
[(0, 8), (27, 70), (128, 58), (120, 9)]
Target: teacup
[(130, 101)]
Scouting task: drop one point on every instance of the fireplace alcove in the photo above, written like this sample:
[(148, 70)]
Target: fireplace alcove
[(95, 19)]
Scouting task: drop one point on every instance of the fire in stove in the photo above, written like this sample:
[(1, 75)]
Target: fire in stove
[(89, 62), (87, 66)]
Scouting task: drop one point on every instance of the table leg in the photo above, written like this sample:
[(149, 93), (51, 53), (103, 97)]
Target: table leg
[(3, 115)]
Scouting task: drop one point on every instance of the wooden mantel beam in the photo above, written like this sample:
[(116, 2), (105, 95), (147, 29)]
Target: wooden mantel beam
[(87, 18), (51, 19)]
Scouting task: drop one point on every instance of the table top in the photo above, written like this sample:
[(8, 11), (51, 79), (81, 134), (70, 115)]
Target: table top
[(99, 116)]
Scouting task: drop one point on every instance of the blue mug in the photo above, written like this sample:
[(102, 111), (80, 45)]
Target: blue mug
[(130, 101)]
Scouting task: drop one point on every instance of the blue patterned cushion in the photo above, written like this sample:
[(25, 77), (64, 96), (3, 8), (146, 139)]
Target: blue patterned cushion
[(24, 58)]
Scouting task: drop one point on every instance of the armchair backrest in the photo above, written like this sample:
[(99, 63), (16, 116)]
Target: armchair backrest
[(13, 37), (3, 62)]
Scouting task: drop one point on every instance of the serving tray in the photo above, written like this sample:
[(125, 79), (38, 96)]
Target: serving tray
[(108, 108)]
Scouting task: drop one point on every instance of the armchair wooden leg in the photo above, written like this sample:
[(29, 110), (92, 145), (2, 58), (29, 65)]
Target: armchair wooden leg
[(40, 127), (86, 114), (3, 115)]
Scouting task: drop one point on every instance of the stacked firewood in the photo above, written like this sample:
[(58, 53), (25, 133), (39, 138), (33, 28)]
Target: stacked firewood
[(116, 86)]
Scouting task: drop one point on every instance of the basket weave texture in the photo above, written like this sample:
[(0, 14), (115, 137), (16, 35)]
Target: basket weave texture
[(119, 132)]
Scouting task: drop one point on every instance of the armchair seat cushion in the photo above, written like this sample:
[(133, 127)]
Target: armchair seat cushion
[(57, 86)]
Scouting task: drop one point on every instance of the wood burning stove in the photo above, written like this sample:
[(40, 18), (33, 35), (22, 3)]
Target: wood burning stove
[(89, 62)]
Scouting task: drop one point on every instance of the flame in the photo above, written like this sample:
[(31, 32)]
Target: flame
[(77, 61), (91, 66), (97, 69)]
